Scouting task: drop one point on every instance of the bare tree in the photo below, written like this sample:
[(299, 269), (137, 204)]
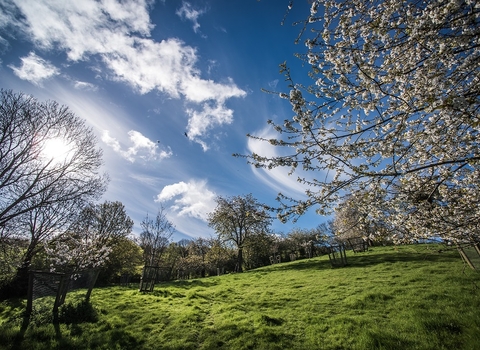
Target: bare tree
[(30, 177), (238, 218), (155, 237), (107, 222), (49, 167)]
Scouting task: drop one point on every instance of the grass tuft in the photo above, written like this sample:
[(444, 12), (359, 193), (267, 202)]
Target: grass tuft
[(271, 321)]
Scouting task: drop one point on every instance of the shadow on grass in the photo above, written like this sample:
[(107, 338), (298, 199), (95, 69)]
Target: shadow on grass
[(264, 336), (382, 340), (38, 322), (365, 259), (306, 264), (17, 341), (13, 306), (368, 259), (80, 312), (187, 284)]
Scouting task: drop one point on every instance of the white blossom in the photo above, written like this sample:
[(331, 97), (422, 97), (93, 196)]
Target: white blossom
[(393, 111)]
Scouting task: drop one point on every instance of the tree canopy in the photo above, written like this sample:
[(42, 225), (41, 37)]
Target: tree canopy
[(392, 113), (105, 222), (31, 176), (89, 241), (49, 170), (236, 219)]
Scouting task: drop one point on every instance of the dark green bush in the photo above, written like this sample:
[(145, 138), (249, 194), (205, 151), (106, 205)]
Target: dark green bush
[(79, 312)]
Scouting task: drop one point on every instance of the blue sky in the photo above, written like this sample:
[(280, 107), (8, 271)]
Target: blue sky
[(170, 88)]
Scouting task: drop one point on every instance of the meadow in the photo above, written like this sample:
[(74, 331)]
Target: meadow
[(407, 297)]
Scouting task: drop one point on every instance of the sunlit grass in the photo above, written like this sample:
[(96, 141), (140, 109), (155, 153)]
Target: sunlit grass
[(412, 297)]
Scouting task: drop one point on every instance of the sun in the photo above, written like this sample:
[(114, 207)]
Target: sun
[(56, 150)]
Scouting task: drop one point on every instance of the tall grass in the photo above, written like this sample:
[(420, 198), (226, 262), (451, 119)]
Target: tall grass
[(411, 297)]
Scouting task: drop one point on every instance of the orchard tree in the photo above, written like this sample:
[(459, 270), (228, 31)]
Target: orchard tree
[(324, 236), (73, 252), (236, 219), (193, 260), (155, 237), (393, 111), (35, 228), (96, 232), (349, 221), (257, 251), (301, 241), (324, 232), (182, 246), (220, 256)]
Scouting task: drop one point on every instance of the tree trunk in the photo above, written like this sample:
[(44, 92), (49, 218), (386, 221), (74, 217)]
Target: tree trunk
[(240, 260)]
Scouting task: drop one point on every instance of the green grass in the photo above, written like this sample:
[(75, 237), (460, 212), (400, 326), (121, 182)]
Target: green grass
[(412, 297)]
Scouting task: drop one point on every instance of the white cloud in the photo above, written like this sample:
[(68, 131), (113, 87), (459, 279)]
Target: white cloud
[(119, 32), (191, 14), (200, 90), (84, 27), (192, 199), (81, 85), (143, 148), (201, 121), (35, 69)]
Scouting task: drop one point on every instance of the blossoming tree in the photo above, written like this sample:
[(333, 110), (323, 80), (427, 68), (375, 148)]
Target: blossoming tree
[(392, 113), (99, 230)]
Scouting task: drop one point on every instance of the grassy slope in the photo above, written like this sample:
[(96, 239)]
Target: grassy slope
[(410, 298)]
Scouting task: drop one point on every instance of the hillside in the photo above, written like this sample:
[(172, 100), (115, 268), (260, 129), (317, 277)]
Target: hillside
[(410, 297)]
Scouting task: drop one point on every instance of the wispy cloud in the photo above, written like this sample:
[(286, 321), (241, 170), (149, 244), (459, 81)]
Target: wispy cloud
[(81, 85), (142, 148), (276, 178), (35, 69), (119, 33), (191, 14), (192, 199), (273, 84)]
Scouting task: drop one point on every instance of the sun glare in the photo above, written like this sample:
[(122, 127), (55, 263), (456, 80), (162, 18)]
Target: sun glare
[(56, 150)]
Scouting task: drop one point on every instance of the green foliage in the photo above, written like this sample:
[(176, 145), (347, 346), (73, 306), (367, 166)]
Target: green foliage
[(220, 256), (237, 219), (11, 252), (126, 257), (408, 297), (258, 250)]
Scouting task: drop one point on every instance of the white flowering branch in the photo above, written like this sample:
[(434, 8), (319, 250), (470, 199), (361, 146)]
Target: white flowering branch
[(393, 114)]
